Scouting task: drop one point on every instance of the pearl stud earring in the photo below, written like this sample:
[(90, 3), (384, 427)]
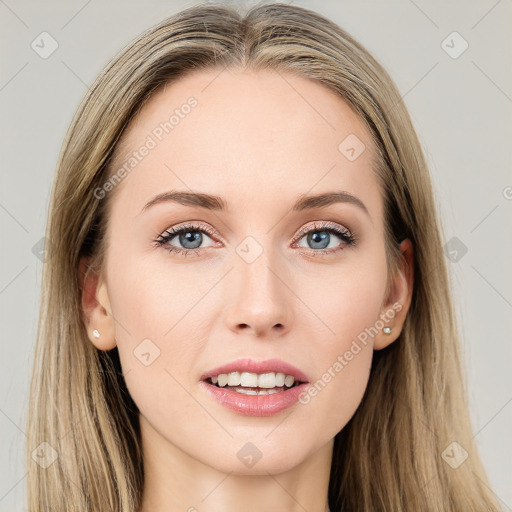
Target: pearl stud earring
[(387, 330), (96, 333)]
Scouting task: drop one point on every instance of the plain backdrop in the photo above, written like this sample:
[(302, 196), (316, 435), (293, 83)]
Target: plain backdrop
[(460, 100)]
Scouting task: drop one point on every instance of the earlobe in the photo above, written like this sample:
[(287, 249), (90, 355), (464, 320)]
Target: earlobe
[(398, 302), (96, 308)]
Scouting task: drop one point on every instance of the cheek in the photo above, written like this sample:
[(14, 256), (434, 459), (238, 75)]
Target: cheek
[(345, 305), (157, 302), (344, 300), (158, 338)]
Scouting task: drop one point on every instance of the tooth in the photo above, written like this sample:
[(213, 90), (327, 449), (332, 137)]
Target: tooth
[(248, 379), (280, 379), (268, 391), (223, 379), (234, 379), (288, 381), (267, 380), (246, 391)]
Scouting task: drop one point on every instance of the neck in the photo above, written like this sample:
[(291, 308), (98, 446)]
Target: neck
[(175, 480)]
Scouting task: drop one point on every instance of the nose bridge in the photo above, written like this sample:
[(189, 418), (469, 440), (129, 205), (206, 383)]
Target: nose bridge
[(259, 298)]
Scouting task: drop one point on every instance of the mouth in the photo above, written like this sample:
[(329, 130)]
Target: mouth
[(255, 388), (254, 384), (244, 393)]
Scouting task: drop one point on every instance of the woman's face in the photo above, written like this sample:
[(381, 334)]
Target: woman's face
[(256, 279)]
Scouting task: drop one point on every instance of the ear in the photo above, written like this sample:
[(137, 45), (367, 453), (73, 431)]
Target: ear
[(96, 307), (398, 301)]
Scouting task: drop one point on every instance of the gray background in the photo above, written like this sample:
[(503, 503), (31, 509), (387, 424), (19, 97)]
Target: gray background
[(461, 108)]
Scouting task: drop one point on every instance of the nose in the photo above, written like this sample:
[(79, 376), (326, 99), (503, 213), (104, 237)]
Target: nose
[(260, 301)]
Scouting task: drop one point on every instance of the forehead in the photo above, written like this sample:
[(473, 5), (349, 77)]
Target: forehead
[(227, 130)]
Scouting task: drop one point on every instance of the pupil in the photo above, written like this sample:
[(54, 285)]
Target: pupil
[(319, 237), (189, 237)]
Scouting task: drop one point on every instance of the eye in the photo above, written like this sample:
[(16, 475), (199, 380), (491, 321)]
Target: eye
[(320, 237), (190, 236)]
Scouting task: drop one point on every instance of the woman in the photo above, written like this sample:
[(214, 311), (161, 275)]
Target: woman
[(247, 306)]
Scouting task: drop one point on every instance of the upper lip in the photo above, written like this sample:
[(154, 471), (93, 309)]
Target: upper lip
[(250, 365)]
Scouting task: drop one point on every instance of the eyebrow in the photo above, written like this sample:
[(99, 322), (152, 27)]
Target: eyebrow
[(217, 203)]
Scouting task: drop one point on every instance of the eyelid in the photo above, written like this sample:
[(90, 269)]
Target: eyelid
[(192, 225), (324, 224), (302, 231)]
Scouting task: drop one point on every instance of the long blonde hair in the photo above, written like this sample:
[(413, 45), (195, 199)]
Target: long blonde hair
[(390, 454)]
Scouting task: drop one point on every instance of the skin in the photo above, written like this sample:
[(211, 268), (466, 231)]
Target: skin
[(255, 141)]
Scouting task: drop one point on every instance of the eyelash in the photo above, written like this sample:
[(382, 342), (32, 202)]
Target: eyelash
[(328, 227)]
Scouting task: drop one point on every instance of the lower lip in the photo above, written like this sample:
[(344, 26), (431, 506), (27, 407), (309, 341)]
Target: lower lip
[(256, 405)]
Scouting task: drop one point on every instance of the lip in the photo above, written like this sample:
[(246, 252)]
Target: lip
[(255, 405), (250, 365)]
